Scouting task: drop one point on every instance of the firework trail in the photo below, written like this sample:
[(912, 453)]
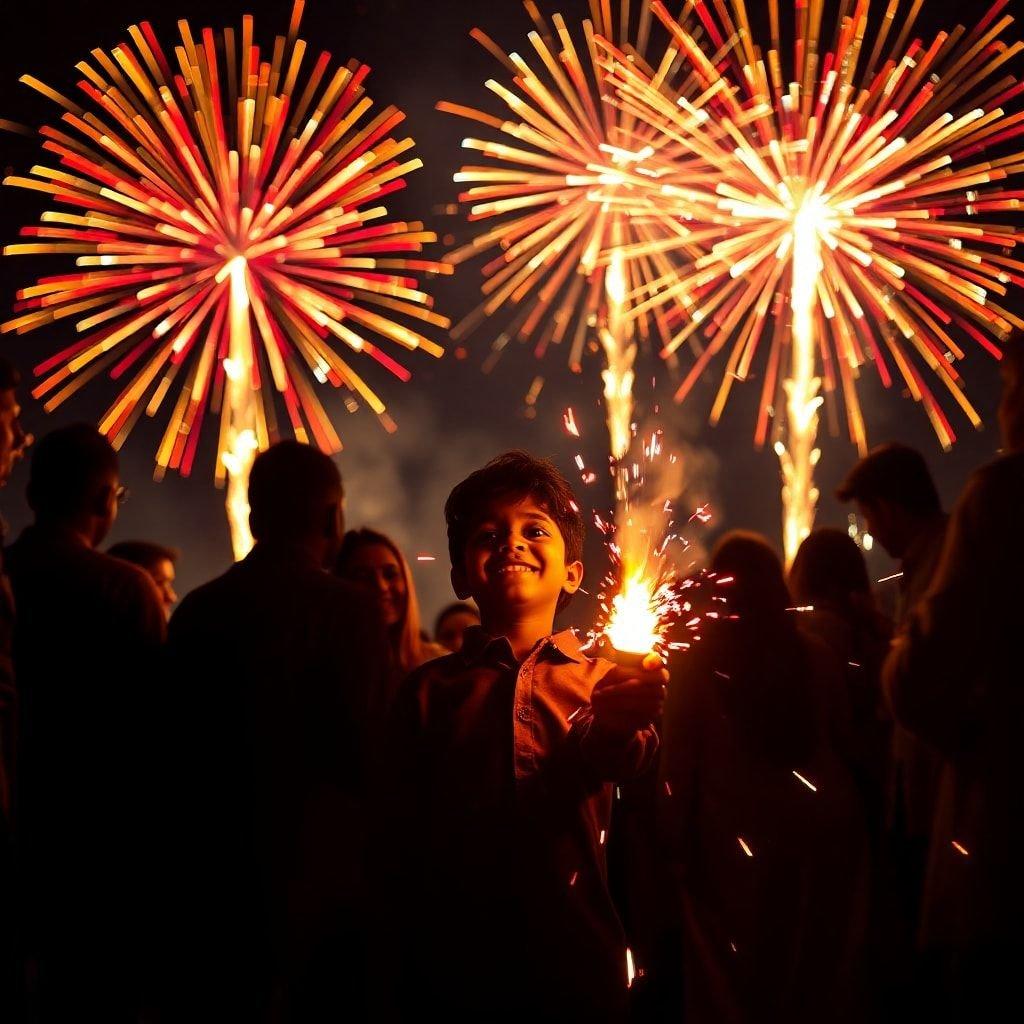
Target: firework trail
[(224, 210)]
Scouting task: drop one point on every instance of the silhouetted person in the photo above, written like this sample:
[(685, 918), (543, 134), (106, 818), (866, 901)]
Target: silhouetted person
[(85, 643), (956, 679), (273, 661), (897, 499), (12, 445), (829, 576), (451, 625), (771, 869), (156, 559)]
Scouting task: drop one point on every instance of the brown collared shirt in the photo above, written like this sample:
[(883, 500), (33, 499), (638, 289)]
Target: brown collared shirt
[(503, 793)]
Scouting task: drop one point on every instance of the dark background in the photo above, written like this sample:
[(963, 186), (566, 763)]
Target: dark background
[(451, 417)]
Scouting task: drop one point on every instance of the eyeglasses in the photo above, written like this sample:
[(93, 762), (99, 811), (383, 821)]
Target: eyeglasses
[(122, 494)]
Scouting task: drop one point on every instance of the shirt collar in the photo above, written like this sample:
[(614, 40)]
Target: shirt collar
[(478, 646)]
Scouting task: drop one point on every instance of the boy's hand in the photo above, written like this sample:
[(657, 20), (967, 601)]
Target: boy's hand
[(628, 699)]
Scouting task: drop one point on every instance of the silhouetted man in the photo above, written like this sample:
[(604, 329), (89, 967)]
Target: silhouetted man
[(273, 662), (85, 643), (897, 499), (156, 559), (956, 678)]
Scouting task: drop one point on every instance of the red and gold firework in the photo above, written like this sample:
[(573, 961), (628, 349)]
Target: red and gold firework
[(850, 215), (569, 183), (224, 207)]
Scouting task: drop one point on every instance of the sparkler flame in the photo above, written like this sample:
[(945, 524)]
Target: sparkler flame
[(226, 218), (635, 625)]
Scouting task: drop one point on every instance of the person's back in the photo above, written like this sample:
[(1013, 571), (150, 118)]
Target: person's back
[(274, 660), (954, 679), (762, 817), (85, 650)]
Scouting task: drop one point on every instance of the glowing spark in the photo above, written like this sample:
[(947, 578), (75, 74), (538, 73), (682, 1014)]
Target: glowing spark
[(890, 578), (807, 783), (426, 558), (630, 968), (225, 217), (569, 421), (960, 849), (743, 845)]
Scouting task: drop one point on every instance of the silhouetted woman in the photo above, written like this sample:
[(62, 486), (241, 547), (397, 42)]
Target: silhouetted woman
[(762, 817)]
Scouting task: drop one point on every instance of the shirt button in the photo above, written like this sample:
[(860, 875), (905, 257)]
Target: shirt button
[(523, 713)]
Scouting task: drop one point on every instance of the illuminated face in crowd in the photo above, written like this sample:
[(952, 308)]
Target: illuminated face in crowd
[(162, 571), (375, 566), (515, 561)]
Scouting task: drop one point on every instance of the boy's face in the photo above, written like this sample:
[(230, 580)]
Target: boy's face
[(515, 561)]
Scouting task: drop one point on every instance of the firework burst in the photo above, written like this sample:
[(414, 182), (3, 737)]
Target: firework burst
[(851, 215), (569, 183), (224, 211)]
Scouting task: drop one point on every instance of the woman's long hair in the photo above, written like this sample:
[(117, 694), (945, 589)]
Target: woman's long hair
[(407, 645), (768, 691)]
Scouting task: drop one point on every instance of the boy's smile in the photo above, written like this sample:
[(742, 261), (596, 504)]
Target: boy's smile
[(515, 559)]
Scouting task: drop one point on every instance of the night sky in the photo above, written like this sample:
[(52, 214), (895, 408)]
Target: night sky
[(451, 417)]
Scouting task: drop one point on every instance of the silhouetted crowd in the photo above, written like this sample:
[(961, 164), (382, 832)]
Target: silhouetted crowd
[(280, 801)]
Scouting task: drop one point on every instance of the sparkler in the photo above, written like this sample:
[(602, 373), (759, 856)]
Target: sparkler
[(568, 186), (852, 196), (226, 218)]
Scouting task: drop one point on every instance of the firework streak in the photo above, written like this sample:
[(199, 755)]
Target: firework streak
[(567, 186), (851, 215), (224, 210)]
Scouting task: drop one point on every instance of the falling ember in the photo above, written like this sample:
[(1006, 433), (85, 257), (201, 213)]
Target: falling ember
[(960, 849), (426, 558), (630, 968), (857, 213), (743, 845), (890, 578), (569, 421), (226, 218), (810, 785)]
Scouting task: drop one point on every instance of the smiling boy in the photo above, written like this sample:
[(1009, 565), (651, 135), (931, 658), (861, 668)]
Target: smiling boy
[(507, 752)]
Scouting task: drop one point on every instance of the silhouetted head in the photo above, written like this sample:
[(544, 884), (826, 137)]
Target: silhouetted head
[(74, 481), (12, 437), (452, 623), (895, 495), (157, 559), (1011, 404), (828, 570), (758, 590), (295, 498)]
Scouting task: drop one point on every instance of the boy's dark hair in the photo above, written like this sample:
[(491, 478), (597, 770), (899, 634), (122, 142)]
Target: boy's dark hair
[(145, 553), (896, 473), (289, 488), (67, 466), (514, 475), (9, 376)]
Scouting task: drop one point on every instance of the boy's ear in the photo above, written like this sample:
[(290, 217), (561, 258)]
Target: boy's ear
[(459, 584), (573, 577)]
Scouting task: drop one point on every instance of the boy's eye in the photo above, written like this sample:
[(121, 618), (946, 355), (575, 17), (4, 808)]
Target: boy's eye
[(536, 531)]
